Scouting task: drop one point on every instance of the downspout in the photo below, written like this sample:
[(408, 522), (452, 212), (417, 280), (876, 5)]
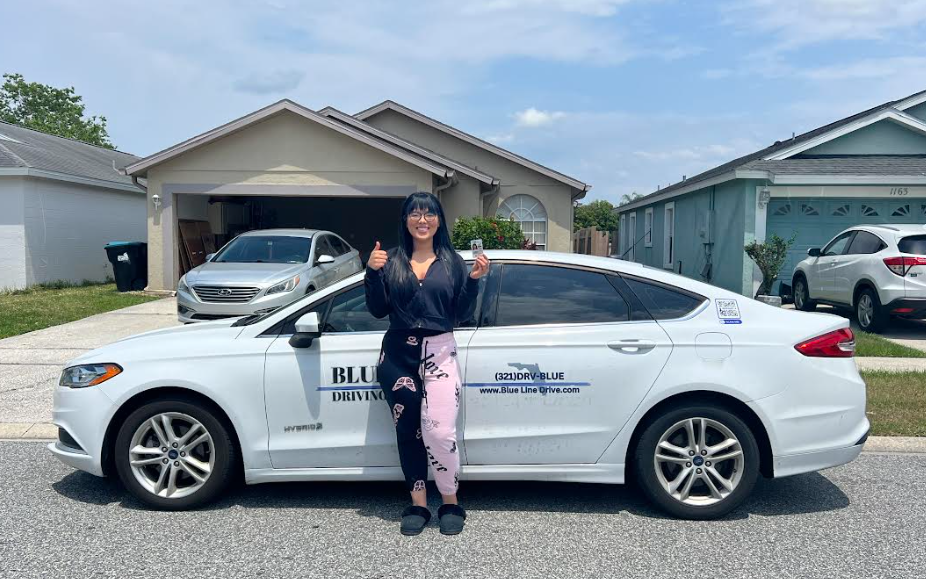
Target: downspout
[(451, 180), (496, 185), (137, 184)]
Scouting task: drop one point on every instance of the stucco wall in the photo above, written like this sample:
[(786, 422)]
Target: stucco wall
[(691, 210), (515, 178), (66, 226), (12, 237), (283, 155), (882, 138)]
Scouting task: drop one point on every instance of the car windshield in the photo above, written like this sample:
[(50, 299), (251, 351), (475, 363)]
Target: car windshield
[(265, 249)]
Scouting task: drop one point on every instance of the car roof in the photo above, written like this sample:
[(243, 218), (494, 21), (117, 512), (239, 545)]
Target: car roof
[(893, 227), (288, 232)]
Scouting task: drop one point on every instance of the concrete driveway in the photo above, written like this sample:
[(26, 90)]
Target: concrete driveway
[(910, 333), (30, 364)]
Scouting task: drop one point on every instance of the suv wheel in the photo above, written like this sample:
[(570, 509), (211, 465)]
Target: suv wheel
[(697, 462), (174, 455), (870, 315), (802, 299)]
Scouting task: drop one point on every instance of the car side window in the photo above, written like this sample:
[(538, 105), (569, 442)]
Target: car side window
[(838, 245), (322, 247), (349, 313), (865, 243), (542, 294), (342, 246), (664, 302)]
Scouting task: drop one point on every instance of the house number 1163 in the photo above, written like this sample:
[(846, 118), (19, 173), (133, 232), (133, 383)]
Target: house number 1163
[(899, 190)]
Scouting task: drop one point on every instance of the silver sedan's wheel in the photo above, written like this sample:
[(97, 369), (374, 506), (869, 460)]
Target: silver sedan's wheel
[(172, 455), (799, 295), (698, 461)]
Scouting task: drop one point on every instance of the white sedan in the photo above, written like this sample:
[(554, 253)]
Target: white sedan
[(577, 368)]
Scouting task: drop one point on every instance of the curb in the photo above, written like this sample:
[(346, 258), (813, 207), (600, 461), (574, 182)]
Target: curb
[(890, 364), (48, 431)]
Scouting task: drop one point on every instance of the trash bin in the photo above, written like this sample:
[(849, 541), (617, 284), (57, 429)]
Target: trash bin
[(130, 264)]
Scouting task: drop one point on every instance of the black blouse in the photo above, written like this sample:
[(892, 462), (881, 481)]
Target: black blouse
[(437, 304)]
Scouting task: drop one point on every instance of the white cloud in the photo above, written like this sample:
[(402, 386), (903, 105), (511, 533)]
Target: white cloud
[(796, 23), (532, 117), (599, 8), (687, 153), (501, 139), (270, 82)]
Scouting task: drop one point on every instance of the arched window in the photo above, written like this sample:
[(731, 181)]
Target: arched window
[(529, 212)]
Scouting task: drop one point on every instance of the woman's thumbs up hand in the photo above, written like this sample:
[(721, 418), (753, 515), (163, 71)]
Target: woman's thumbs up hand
[(377, 259)]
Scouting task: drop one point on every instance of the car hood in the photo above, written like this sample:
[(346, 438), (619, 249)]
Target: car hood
[(213, 273), (166, 342)]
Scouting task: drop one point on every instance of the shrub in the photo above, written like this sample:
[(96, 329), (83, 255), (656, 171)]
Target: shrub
[(769, 256), (494, 233)]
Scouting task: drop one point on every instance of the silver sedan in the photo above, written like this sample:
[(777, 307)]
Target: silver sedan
[(259, 271)]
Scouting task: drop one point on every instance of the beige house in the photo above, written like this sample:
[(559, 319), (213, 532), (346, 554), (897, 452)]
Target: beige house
[(288, 166)]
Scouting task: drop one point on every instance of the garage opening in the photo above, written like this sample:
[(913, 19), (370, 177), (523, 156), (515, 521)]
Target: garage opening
[(361, 221)]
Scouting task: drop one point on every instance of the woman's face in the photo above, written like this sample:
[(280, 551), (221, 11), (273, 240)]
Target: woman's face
[(422, 224)]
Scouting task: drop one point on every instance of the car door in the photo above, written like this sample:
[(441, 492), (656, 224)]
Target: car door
[(853, 264), (830, 259), (324, 405), (558, 364), (324, 274)]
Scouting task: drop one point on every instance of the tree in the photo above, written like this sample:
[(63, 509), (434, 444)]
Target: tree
[(629, 198), (598, 213), (58, 111), (769, 256)]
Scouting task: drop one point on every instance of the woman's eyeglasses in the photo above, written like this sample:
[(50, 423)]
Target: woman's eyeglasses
[(416, 216)]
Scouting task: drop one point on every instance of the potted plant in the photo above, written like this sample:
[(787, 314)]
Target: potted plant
[(770, 257)]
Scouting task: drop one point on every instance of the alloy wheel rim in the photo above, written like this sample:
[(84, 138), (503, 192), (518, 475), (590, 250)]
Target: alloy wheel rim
[(698, 461), (799, 294), (865, 310), (172, 455)]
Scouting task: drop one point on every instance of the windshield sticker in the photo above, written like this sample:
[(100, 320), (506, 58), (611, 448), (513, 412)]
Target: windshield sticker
[(728, 311)]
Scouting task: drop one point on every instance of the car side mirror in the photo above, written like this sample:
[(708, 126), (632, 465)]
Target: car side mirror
[(814, 252), (210, 256), (306, 331), (324, 259)]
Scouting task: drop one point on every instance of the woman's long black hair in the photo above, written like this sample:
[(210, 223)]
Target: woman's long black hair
[(399, 275)]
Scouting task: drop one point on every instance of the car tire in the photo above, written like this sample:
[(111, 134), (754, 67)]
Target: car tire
[(214, 460), (801, 293), (695, 498), (869, 313)]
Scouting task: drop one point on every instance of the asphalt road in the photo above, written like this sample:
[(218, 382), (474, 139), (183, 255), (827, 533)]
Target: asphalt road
[(866, 519)]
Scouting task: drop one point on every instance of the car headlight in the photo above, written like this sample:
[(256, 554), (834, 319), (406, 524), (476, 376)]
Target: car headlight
[(88, 375), (182, 286), (286, 286)]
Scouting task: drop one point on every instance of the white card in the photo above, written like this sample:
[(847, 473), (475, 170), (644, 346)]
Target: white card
[(476, 246)]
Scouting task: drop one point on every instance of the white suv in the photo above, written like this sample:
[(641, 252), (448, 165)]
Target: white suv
[(877, 270)]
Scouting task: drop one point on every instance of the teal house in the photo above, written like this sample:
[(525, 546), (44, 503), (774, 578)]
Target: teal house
[(867, 168)]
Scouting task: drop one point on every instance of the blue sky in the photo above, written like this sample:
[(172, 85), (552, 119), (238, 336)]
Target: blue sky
[(623, 94)]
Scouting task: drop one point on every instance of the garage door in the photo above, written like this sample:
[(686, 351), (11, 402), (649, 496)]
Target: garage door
[(817, 220)]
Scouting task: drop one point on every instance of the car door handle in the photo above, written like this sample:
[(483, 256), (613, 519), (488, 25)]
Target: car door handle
[(632, 346)]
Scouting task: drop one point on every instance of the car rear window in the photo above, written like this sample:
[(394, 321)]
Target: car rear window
[(915, 244), (664, 302)]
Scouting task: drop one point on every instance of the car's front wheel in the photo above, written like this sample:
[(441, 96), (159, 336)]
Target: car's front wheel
[(173, 454), (697, 462), (802, 299)]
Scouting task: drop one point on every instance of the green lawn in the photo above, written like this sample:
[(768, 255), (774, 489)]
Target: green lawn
[(896, 403), (873, 345), (42, 306)]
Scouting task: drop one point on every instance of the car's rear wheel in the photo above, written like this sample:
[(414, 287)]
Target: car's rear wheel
[(697, 462), (174, 455), (802, 299), (869, 314)]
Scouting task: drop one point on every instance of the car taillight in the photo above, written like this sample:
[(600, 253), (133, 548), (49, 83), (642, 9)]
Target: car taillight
[(901, 265), (835, 344)]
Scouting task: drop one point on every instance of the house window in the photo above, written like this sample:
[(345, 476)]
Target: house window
[(648, 227), (807, 209), (869, 211), (901, 211), (632, 236), (783, 210), (528, 212), (841, 210), (622, 240), (668, 236)]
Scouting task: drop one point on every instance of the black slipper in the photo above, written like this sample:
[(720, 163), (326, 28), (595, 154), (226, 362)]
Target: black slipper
[(451, 519), (414, 519)]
